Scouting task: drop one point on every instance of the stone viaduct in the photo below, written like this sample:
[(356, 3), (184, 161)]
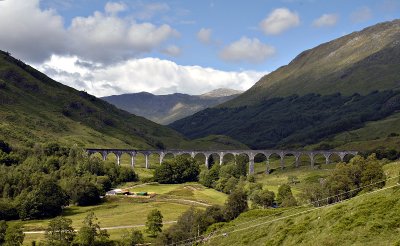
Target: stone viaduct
[(221, 153)]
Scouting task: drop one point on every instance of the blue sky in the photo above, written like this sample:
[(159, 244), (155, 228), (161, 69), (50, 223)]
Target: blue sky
[(114, 47)]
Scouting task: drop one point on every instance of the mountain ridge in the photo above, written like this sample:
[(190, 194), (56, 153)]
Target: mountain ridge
[(341, 65), (165, 109)]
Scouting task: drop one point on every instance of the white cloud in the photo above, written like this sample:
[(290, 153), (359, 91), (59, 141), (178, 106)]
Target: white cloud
[(326, 20), (114, 8), (28, 32), (35, 34), (172, 50), (109, 39), (248, 50), (147, 74), (279, 21), (361, 14), (204, 35)]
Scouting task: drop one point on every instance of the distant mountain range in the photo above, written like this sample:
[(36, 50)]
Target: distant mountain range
[(165, 109), (340, 94)]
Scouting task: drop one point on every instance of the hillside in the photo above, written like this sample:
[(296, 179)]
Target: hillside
[(335, 88), (36, 109), (368, 219), (165, 109), (360, 62)]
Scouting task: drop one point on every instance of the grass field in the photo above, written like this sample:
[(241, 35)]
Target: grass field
[(172, 201)]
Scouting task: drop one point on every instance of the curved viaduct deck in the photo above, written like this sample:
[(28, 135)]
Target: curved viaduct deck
[(221, 153)]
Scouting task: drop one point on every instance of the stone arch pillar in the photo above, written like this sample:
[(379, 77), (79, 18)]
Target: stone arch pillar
[(206, 162), (342, 155), (282, 155), (162, 154), (104, 155), (268, 165), (251, 163), (297, 156), (118, 155), (312, 159), (147, 160), (327, 155), (133, 161)]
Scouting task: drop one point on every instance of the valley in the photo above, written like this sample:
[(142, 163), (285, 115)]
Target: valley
[(308, 154)]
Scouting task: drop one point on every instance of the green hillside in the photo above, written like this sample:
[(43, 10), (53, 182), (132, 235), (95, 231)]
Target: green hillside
[(368, 219), (36, 109), (360, 62), (318, 99)]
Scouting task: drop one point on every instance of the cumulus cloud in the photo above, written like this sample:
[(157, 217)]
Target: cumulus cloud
[(247, 50), (361, 14), (172, 50), (114, 8), (108, 38), (100, 37), (146, 74), (326, 20), (204, 35), (279, 20), (28, 32)]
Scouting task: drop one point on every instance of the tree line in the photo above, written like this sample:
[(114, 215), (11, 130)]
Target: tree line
[(39, 182)]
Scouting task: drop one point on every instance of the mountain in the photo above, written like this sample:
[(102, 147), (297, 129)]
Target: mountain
[(360, 62), (221, 92), (165, 109), (36, 109), (334, 88)]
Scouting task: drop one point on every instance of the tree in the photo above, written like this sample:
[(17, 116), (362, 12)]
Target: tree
[(230, 185), (14, 235), (262, 198), (82, 191), (189, 225), (154, 222), (59, 232), (3, 229), (131, 238), (235, 205), (176, 171), (209, 177), (285, 196), (46, 200), (90, 233)]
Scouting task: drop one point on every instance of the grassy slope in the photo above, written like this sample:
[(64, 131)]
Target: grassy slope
[(372, 219), (359, 62), (375, 134), (35, 108)]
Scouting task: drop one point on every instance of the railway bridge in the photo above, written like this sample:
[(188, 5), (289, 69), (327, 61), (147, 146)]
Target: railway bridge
[(221, 153)]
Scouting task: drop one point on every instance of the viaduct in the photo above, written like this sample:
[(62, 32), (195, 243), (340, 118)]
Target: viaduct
[(221, 153)]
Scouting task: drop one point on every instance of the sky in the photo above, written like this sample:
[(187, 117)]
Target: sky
[(185, 46)]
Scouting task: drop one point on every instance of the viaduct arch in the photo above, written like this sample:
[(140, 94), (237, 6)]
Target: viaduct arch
[(207, 153)]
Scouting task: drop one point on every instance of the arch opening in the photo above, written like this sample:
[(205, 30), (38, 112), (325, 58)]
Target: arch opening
[(261, 164), (289, 161), (228, 158)]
